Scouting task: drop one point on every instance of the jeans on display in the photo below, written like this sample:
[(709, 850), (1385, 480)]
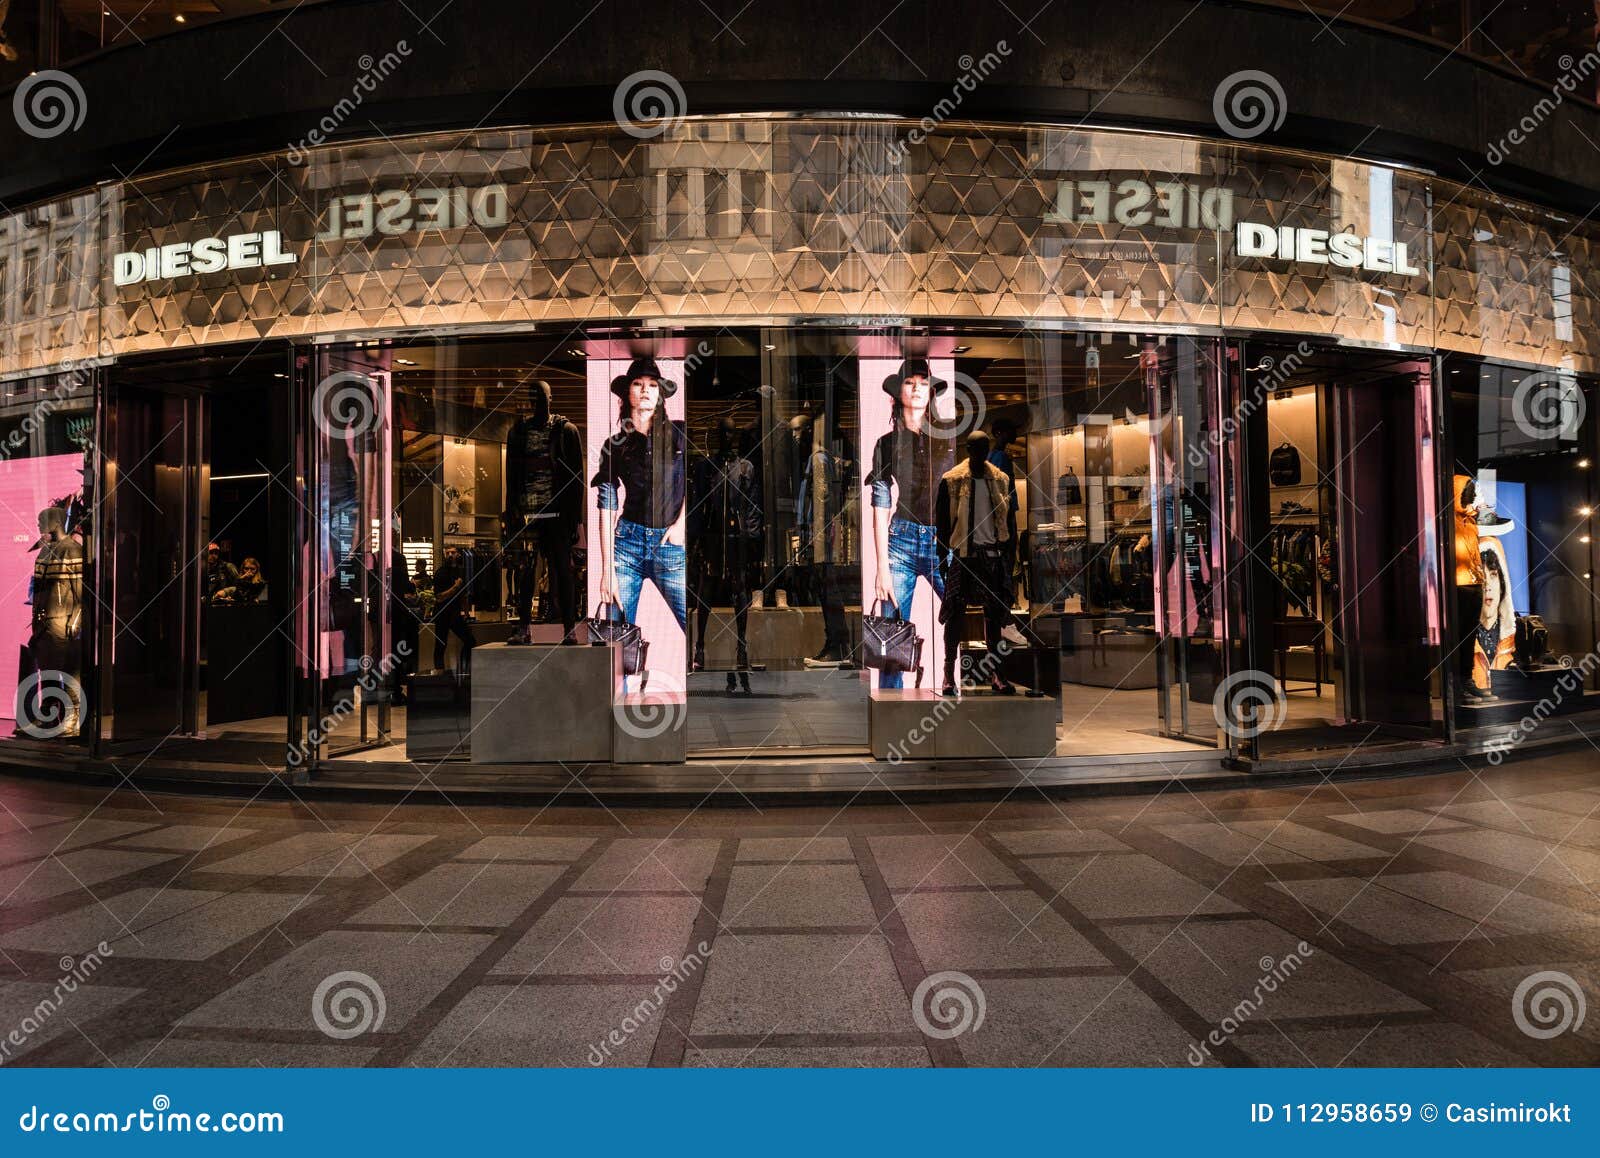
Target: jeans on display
[(913, 554), (640, 553)]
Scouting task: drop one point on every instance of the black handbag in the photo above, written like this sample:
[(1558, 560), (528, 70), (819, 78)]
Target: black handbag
[(1283, 467), (609, 626), (1532, 641), (890, 642), (1069, 493)]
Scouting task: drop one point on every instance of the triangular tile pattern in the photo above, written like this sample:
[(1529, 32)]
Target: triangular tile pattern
[(755, 218)]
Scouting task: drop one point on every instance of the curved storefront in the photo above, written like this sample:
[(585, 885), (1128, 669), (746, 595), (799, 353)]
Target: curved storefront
[(1285, 454)]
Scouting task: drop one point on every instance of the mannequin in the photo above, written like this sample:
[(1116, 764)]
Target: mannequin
[(976, 521), (827, 522), (726, 543), (1469, 580), (57, 597), (544, 488)]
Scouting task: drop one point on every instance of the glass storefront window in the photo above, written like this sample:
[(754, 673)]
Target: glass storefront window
[(47, 500), (1523, 452)]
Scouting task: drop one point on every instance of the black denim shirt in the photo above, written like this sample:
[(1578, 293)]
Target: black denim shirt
[(914, 463), (651, 472)]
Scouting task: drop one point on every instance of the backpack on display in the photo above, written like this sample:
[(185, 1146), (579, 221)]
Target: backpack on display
[(1283, 468), (1532, 641)]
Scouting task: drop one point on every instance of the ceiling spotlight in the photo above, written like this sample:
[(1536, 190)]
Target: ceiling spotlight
[(1583, 464), (404, 362), (961, 350), (179, 19)]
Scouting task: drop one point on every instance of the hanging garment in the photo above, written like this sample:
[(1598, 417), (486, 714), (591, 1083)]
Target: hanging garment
[(1283, 468), (1069, 491)]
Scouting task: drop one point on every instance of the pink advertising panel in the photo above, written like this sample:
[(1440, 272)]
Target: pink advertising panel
[(27, 487), (899, 556), (639, 562)]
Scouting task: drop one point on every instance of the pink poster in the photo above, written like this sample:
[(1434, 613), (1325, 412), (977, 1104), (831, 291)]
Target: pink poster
[(638, 463), (28, 486), (911, 427)]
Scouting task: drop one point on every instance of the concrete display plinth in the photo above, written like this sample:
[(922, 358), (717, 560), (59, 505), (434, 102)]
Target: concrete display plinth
[(650, 728), (920, 724), (538, 704)]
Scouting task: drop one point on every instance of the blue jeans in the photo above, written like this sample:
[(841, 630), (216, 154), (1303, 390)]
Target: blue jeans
[(913, 553), (640, 553)]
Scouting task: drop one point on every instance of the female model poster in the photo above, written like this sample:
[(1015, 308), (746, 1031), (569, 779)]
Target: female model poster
[(907, 400), (638, 522)]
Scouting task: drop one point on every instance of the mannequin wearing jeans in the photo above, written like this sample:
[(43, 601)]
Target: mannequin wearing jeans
[(907, 464), (544, 484), (642, 533), (976, 524)]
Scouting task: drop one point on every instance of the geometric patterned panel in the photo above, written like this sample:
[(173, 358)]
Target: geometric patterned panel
[(720, 219)]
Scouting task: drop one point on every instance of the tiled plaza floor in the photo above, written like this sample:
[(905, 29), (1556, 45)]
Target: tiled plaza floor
[(1361, 923)]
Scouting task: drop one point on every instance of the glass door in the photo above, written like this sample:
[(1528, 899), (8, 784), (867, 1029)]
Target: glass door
[(151, 524), (1181, 378), (349, 634)]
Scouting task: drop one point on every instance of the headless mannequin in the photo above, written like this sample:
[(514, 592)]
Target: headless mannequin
[(728, 545), (544, 466), (57, 597), (977, 570)]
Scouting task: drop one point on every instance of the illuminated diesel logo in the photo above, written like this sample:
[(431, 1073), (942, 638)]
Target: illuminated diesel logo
[(395, 211)]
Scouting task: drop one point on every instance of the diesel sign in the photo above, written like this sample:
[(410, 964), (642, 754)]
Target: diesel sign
[(208, 255), (1319, 247), (1163, 204)]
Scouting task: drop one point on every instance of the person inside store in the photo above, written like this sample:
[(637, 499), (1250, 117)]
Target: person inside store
[(976, 522), (249, 585), (907, 464), (450, 610), (726, 543), (403, 619), (642, 533), (220, 574), (544, 480)]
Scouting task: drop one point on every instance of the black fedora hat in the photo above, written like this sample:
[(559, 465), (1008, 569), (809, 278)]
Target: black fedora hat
[(643, 368), (913, 368)]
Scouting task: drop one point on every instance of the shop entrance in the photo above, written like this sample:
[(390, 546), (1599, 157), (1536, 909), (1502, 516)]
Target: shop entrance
[(1341, 611), (195, 525)]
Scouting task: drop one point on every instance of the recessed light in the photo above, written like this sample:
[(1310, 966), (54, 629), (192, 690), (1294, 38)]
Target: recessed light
[(961, 350), (179, 18), (404, 362)]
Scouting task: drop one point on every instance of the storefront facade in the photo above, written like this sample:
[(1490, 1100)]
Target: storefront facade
[(1236, 394)]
